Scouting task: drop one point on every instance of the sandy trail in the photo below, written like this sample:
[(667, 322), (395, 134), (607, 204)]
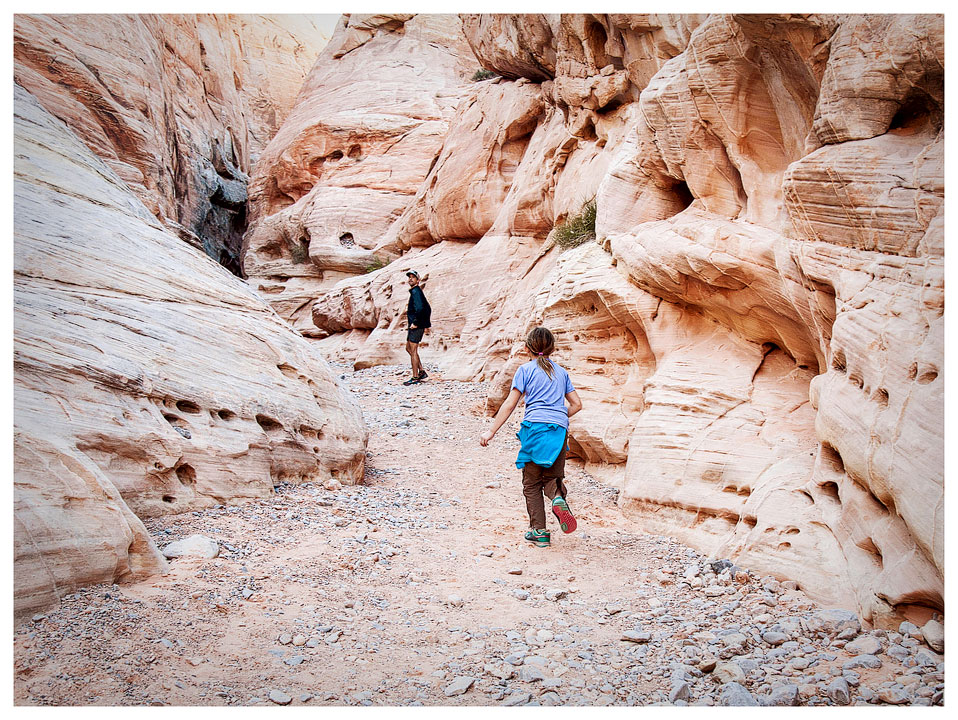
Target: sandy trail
[(416, 585)]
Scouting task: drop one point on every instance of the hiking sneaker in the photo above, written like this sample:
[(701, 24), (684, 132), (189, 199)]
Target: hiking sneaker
[(560, 508), (539, 538), (413, 381), (422, 375)]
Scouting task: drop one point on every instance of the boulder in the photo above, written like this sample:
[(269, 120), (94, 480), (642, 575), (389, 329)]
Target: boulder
[(192, 546)]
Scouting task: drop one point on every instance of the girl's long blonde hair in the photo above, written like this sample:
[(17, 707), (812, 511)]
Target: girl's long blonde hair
[(541, 343)]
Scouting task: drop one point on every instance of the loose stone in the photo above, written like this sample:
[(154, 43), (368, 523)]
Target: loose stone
[(279, 697), (838, 692), (733, 694), (864, 645), (458, 686), (933, 633)]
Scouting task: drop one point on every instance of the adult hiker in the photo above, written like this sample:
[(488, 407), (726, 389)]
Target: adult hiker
[(418, 316)]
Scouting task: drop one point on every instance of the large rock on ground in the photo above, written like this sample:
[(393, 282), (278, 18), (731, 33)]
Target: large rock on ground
[(147, 378)]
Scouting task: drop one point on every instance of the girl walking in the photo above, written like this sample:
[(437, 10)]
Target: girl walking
[(542, 435)]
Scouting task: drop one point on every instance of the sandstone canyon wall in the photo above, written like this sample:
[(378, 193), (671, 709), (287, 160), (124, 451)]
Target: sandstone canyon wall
[(757, 332), (147, 379), (179, 106), (369, 122)]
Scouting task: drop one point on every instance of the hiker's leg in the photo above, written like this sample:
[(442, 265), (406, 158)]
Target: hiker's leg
[(532, 490), (414, 357), (412, 350), (553, 481)]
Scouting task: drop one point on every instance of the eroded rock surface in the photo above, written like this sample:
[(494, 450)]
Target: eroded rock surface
[(758, 332), (148, 380), (368, 126)]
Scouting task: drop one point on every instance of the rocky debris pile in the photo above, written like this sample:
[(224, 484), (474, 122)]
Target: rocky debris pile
[(396, 592)]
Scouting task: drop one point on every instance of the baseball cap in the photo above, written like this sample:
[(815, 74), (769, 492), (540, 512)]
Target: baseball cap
[(413, 273)]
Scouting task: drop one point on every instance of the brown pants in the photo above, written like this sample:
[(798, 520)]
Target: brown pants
[(538, 481)]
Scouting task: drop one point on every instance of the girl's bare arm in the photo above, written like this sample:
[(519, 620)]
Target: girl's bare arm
[(505, 411), (575, 404)]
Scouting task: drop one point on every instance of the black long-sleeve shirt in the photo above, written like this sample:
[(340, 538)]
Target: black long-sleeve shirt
[(418, 313)]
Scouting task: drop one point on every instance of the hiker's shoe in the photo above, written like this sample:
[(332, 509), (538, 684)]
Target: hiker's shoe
[(422, 375), (539, 538), (412, 381), (560, 508)]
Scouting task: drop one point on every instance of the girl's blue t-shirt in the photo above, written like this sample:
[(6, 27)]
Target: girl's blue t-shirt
[(545, 396)]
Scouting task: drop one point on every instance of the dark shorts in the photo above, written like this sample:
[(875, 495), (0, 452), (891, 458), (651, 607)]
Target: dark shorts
[(415, 336)]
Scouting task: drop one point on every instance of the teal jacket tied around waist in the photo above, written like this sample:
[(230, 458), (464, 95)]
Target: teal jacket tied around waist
[(541, 443)]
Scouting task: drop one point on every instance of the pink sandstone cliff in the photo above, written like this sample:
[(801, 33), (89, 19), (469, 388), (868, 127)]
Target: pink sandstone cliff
[(757, 331)]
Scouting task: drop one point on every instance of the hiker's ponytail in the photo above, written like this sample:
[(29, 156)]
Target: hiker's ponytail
[(541, 343)]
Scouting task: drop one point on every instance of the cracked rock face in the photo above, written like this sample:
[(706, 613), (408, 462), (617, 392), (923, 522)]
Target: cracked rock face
[(148, 380), (757, 333)]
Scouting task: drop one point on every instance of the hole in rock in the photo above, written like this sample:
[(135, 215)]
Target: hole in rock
[(355, 152), (268, 424), (596, 36), (186, 474), (336, 155), (226, 414), (869, 546), (913, 371), (346, 240), (173, 419), (169, 499), (856, 378), (187, 407), (750, 520), (683, 196), (838, 361), (588, 131), (611, 106), (299, 250), (927, 375), (881, 397), (917, 112), (832, 458), (288, 370), (784, 545), (831, 490)]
